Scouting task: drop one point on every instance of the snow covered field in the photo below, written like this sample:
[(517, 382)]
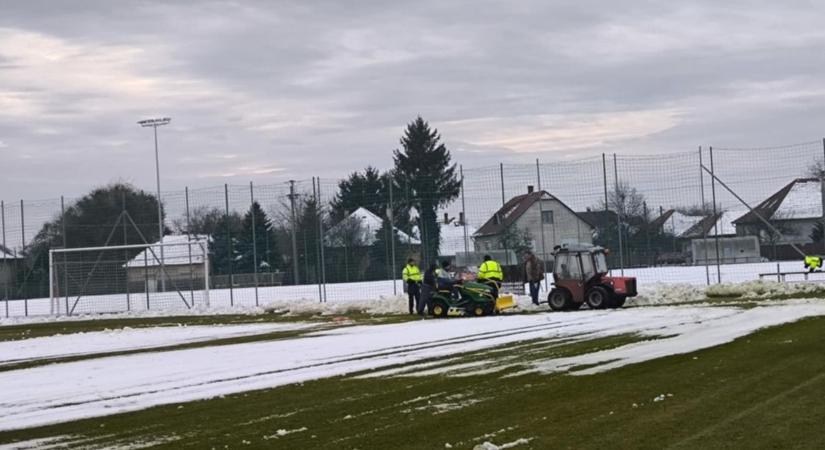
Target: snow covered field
[(90, 388), (124, 339), (378, 296)]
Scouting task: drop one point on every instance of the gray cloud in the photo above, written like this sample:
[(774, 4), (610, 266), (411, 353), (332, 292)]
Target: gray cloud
[(267, 90)]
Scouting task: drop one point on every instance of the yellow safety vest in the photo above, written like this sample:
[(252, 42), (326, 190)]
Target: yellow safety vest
[(813, 262), (490, 270), (411, 273)]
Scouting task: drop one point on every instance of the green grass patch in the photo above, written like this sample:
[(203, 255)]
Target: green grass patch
[(761, 391)]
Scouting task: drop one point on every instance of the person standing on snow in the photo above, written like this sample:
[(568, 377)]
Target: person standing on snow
[(533, 274), (490, 273), (428, 288), (412, 276)]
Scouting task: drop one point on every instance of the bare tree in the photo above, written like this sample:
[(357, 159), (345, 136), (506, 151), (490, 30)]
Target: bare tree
[(626, 201)]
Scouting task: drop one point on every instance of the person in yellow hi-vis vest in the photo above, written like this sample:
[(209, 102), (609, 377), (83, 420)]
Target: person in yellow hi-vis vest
[(490, 273), (412, 277), (813, 263)]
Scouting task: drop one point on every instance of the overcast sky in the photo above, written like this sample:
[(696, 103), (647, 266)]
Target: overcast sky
[(272, 90)]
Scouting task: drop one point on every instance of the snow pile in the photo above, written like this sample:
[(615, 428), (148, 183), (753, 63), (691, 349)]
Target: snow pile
[(764, 289), (673, 294), (667, 294), (385, 305)]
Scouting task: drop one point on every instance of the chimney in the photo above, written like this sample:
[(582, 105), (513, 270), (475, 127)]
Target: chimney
[(461, 218), (446, 219), (530, 189)]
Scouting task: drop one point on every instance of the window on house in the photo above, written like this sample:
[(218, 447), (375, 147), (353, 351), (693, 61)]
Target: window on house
[(547, 217)]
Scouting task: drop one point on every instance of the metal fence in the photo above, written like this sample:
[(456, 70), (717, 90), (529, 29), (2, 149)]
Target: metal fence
[(666, 218)]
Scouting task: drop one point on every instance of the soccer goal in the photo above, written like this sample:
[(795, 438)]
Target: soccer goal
[(167, 275)]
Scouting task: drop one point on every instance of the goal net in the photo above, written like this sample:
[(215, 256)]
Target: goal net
[(167, 275)]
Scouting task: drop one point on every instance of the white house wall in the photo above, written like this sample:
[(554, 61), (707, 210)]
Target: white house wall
[(567, 228)]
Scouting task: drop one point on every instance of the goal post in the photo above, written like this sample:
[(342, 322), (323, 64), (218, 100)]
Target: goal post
[(172, 274)]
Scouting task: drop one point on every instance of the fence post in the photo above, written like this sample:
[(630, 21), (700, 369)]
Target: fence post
[(503, 201), (321, 243), (204, 246), (125, 251), (254, 241), (822, 191), (318, 247), (715, 217), (23, 248), (4, 249), (541, 222), (189, 246), (604, 178), (229, 245), (464, 212), (146, 276), (296, 279), (618, 214), (704, 212), (392, 241)]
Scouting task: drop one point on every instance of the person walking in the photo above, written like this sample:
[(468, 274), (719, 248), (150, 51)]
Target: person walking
[(490, 273), (428, 288), (412, 277), (533, 274)]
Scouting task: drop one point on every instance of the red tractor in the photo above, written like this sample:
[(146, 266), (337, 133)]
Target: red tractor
[(580, 275)]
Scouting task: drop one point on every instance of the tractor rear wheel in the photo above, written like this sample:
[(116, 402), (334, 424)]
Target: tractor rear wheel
[(440, 308), (597, 297), (559, 300)]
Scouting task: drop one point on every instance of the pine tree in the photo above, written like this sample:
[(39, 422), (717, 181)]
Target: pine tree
[(370, 190), (262, 251), (223, 256), (425, 172)]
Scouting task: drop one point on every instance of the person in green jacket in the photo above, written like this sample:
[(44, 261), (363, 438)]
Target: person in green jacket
[(412, 277), (490, 273)]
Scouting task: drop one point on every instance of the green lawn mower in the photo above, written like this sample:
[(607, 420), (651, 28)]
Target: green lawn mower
[(468, 299)]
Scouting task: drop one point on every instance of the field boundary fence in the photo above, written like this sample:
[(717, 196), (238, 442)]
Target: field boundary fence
[(705, 216)]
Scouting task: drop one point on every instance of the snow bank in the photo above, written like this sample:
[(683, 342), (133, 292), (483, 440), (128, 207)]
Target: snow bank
[(126, 338)]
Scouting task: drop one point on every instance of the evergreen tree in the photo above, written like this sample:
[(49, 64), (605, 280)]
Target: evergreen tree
[(370, 190), (427, 176), (262, 251), (223, 247), (361, 190)]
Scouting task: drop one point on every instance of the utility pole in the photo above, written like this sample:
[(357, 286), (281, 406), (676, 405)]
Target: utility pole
[(155, 123), (295, 268)]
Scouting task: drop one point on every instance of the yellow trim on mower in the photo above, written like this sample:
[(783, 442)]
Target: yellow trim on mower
[(505, 302)]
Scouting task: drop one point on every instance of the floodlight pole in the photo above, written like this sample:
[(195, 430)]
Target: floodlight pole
[(155, 123)]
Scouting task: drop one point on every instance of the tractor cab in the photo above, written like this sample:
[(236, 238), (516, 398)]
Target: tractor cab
[(580, 275)]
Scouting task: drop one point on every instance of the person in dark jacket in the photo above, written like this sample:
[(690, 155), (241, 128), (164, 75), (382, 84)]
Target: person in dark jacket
[(427, 288), (533, 274)]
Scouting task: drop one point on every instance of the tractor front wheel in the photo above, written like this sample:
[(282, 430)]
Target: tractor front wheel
[(440, 308), (597, 297), (559, 300), (618, 301)]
